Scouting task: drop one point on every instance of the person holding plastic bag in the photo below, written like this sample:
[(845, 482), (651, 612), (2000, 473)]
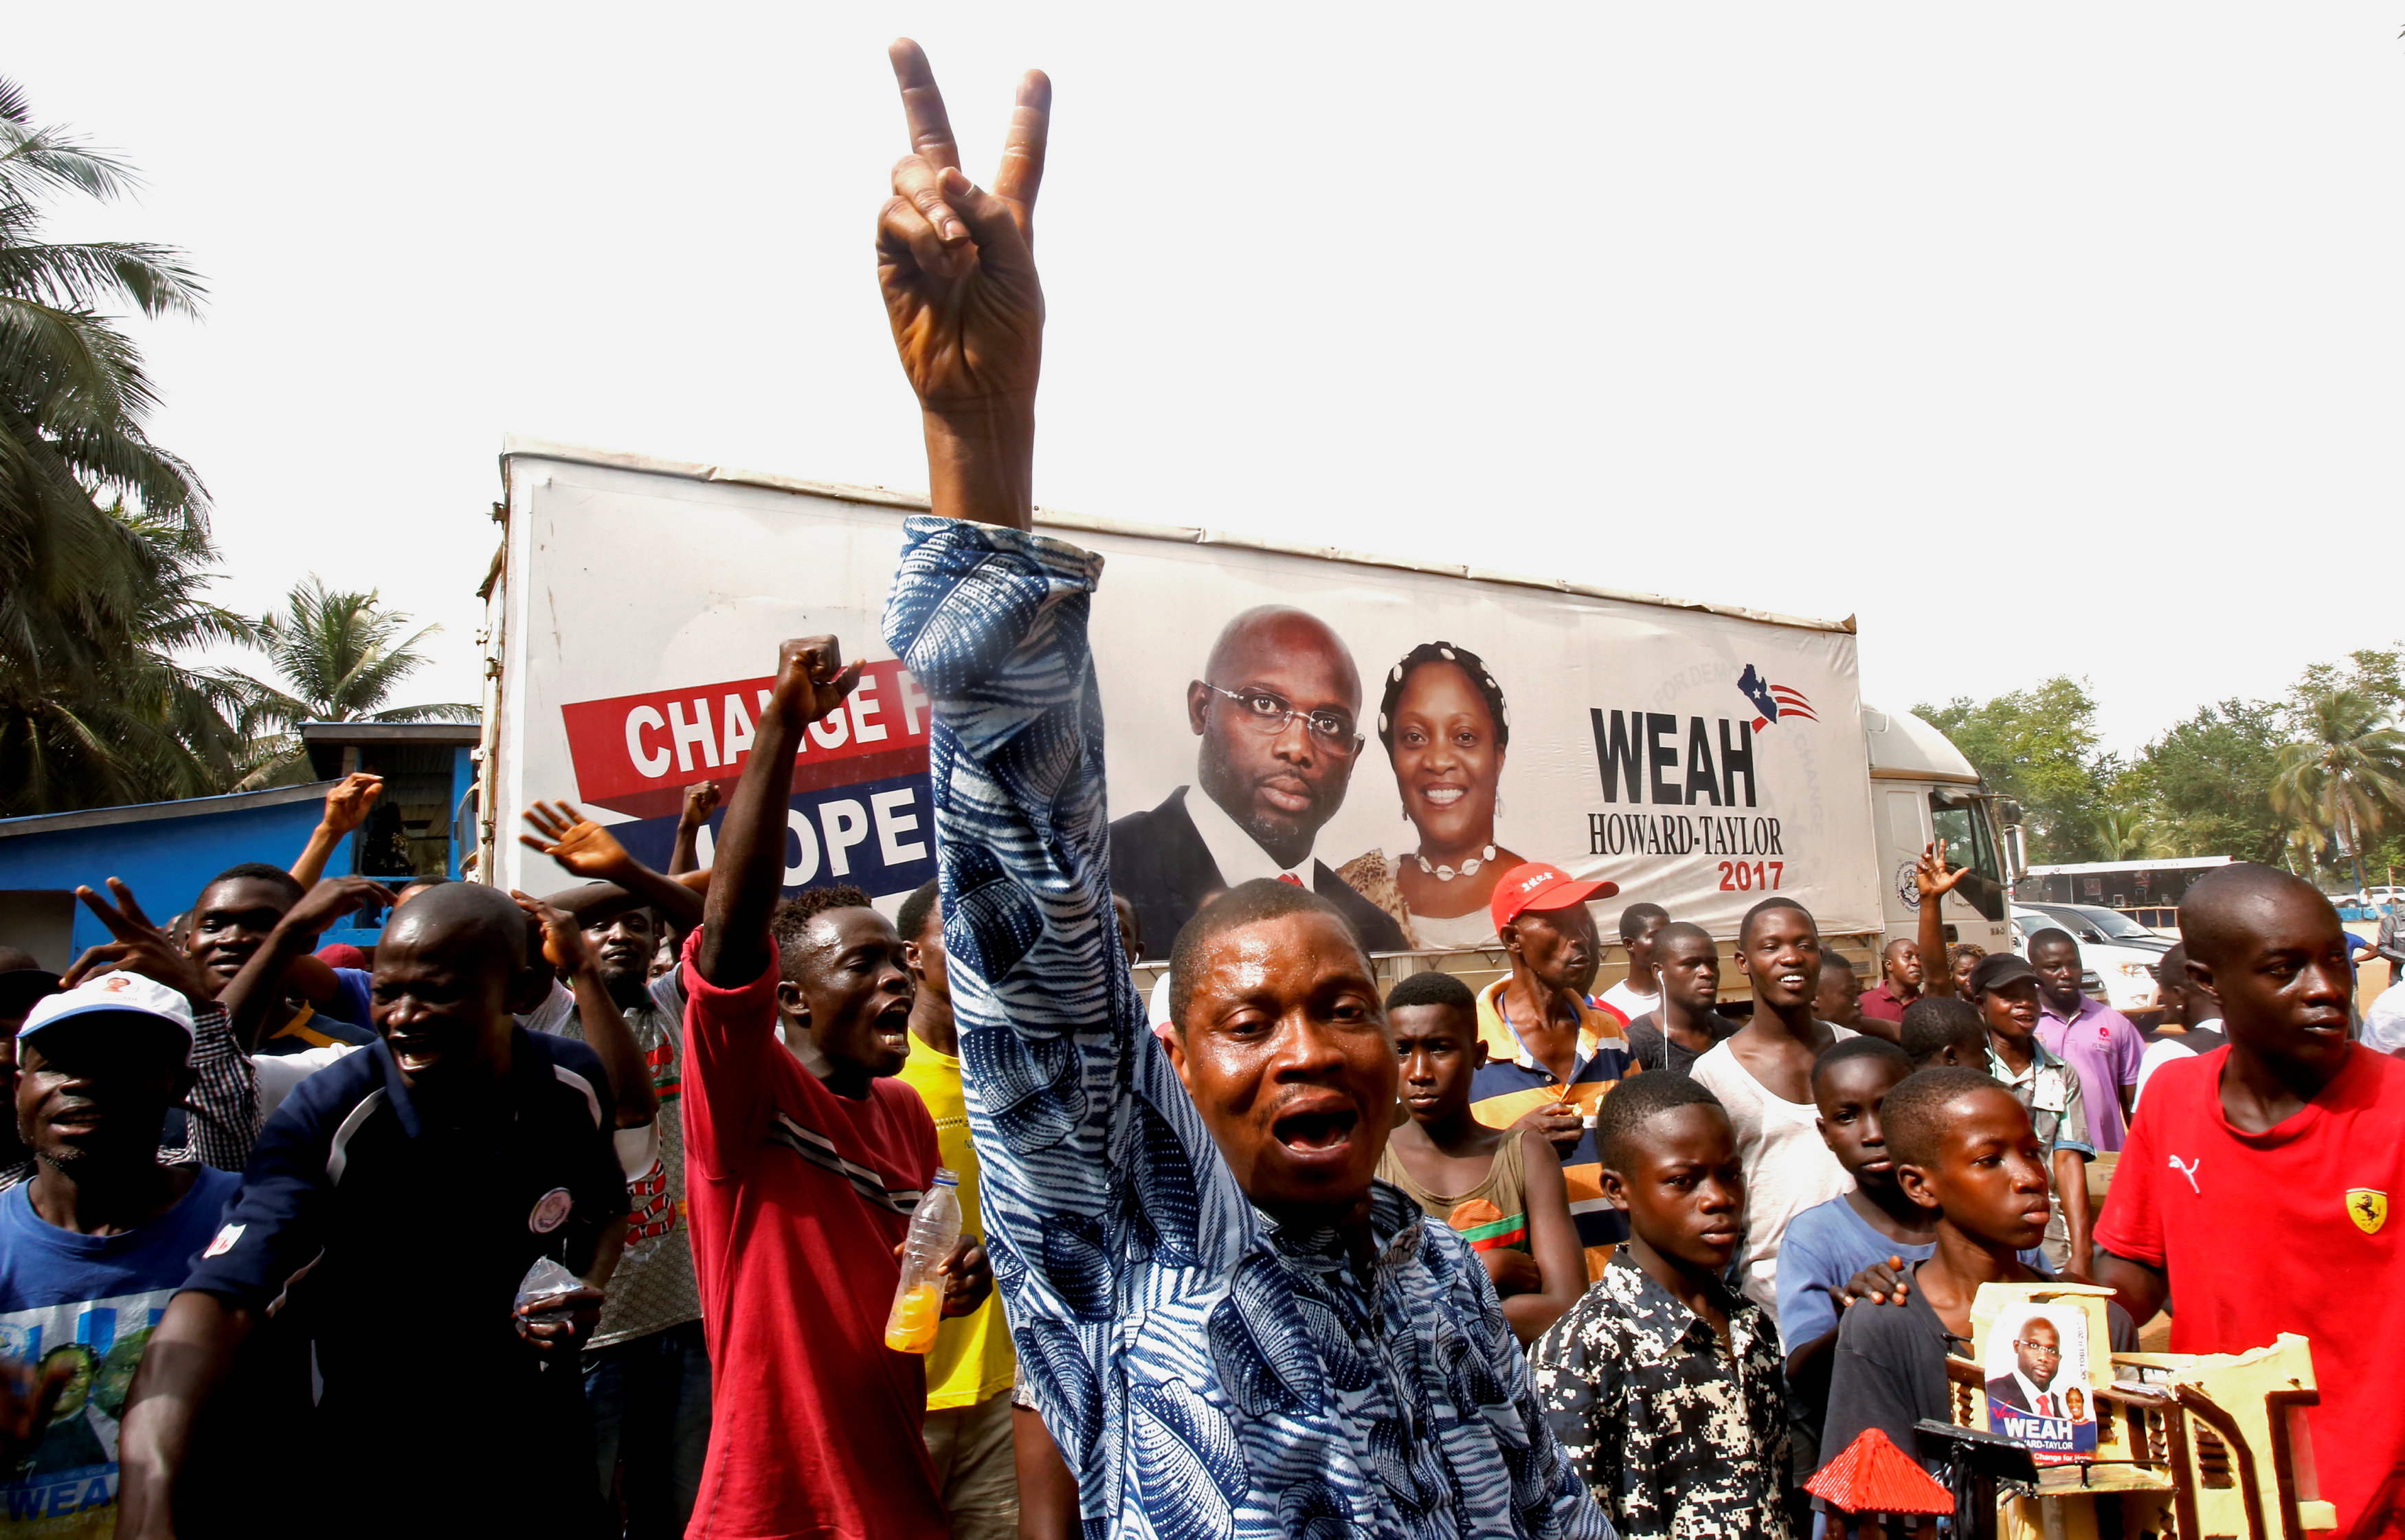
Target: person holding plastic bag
[(392, 1208)]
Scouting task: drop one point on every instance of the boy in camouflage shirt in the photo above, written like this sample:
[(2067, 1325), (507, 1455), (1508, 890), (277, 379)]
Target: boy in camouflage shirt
[(1666, 1390)]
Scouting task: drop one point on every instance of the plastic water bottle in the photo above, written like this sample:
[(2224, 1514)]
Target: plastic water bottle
[(919, 1298)]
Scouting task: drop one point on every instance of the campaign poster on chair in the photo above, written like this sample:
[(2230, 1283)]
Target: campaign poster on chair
[(2041, 1353)]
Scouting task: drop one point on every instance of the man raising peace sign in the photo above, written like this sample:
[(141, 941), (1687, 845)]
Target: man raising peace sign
[(1230, 1330)]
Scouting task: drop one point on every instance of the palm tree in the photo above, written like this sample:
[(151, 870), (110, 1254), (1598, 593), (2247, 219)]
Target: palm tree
[(104, 535), (340, 656), (2344, 776), (2126, 833), (96, 711)]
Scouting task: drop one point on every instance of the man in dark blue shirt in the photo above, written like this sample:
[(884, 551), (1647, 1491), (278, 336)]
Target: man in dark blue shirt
[(389, 1211)]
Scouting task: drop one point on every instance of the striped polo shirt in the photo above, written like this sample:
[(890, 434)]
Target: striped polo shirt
[(1513, 1083)]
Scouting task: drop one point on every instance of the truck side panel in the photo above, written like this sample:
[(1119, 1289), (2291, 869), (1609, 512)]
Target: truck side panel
[(1700, 759)]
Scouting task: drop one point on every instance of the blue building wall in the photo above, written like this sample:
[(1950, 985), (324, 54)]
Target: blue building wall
[(463, 810), (164, 851)]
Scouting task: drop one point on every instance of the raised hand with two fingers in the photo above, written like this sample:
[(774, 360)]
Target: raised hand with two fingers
[(139, 947), (956, 261)]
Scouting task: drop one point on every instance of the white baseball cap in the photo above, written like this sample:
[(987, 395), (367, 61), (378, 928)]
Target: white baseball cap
[(118, 991)]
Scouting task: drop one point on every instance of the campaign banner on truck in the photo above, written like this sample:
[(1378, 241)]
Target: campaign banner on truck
[(1396, 738)]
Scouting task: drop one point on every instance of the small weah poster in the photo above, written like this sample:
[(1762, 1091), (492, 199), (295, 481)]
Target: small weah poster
[(2046, 1350)]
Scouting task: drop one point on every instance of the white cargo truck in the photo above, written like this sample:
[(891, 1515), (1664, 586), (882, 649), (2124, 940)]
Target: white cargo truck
[(1700, 756)]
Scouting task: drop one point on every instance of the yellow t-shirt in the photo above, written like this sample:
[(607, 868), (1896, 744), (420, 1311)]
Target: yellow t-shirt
[(973, 1358)]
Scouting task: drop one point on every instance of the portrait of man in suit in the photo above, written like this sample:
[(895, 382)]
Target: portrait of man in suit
[(1279, 712), (2037, 1360)]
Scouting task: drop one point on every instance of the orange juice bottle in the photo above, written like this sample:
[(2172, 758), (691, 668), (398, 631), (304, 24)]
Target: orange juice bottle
[(918, 1297), (911, 1327)]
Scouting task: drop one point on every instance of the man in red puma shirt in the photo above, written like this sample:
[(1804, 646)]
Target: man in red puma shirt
[(2256, 1188)]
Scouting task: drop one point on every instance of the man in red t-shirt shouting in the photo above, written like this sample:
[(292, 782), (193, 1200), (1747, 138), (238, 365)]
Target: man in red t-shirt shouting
[(2255, 1191), (803, 1162)]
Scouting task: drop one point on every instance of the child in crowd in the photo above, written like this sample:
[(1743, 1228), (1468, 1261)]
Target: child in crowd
[(1839, 1003), (1764, 1077), (1501, 1189), (2259, 1186), (1640, 924), (2191, 1020), (1966, 1153), (1962, 958), (2005, 988), (1876, 1224), (1663, 1387), (1940, 1033), (1684, 1022)]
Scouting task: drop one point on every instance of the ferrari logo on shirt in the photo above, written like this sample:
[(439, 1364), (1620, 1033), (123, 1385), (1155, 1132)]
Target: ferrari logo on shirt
[(2368, 1208)]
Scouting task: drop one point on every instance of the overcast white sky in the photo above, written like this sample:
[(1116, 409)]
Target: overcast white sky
[(2043, 338)]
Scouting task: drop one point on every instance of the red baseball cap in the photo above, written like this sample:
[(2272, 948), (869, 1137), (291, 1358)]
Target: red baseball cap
[(1536, 885)]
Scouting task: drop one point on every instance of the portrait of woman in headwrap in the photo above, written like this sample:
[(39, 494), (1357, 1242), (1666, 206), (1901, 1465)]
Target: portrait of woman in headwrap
[(1445, 727)]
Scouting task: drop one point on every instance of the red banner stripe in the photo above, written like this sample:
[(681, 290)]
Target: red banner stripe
[(636, 754)]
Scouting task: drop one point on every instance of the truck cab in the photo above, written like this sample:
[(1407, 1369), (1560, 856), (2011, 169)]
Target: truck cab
[(1922, 788)]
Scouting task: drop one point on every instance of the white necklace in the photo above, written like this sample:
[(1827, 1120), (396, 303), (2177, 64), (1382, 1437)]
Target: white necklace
[(1446, 874)]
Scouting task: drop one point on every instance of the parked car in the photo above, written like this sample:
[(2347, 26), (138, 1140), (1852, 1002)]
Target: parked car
[(2094, 924), (2364, 903), (2161, 919), (2118, 955)]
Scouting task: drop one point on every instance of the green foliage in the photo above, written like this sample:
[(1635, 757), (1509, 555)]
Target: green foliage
[(104, 535), (94, 709), (2038, 746), (2129, 831), (340, 656), (2342, 779), (104, 550), (2374, 671), (2287, 781), (2205, 785), (2378, 672)]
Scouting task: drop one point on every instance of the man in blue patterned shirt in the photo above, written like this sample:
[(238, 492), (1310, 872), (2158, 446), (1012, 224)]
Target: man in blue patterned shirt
[(1229, 1328)]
